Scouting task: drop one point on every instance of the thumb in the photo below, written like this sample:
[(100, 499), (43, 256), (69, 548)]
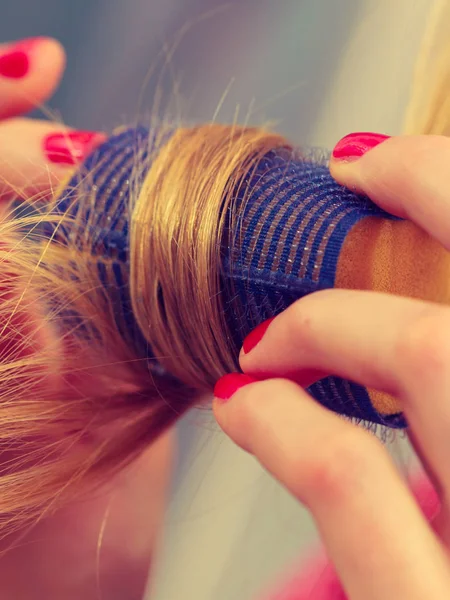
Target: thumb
[(406, 175)]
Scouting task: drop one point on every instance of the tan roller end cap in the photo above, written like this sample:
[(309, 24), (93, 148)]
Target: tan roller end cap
[(398, 258)]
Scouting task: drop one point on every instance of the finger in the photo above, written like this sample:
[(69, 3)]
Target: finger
[(395, 345), (372, 528), (408, 176), (30, 71), (35, 156)]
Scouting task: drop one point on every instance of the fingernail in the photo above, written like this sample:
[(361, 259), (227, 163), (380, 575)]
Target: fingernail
[(230, 384), (70, 148), (355, 145), (256, 336), (15, 60)]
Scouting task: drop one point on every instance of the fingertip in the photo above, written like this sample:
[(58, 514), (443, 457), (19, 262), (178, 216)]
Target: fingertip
[(52, 56), (224, 391), (47, 68), (405, 175), (233, 406), (344, 173), (31, 70), (37, 156), (346, 158), (355, 145)]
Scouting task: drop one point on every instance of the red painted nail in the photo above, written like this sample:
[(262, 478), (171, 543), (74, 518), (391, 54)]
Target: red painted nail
[(256, 336), (14, 64), (354, 145), (70, 148), (230, 384), (15, 60)]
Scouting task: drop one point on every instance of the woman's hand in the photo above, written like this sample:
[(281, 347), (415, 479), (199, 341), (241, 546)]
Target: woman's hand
[(381, 544), (34, 155)]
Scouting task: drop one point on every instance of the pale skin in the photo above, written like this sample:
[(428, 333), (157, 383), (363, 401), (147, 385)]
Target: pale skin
[(101, 547), (377, 538)]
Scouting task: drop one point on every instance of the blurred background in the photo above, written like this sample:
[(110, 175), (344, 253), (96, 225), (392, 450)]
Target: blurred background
[(318, 69)]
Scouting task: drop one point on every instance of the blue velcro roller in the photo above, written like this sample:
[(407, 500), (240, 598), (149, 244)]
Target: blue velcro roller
[(291, 232)]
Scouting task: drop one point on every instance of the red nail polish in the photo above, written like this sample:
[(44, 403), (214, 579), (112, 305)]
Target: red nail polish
[(256, 336), (14, 64), (354, 145), (15, 60), (230, 384), (70, 148)]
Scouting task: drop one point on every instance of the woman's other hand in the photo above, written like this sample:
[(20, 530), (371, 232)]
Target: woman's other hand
[(378, 539)]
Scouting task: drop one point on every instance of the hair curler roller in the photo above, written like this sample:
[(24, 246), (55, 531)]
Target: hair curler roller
[(288, 229)]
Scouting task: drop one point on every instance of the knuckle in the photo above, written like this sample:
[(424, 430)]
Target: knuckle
[(340, 467), (423, 349)]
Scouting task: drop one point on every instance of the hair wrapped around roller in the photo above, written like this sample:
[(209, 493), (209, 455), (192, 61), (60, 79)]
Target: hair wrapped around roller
[(187, 264)]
